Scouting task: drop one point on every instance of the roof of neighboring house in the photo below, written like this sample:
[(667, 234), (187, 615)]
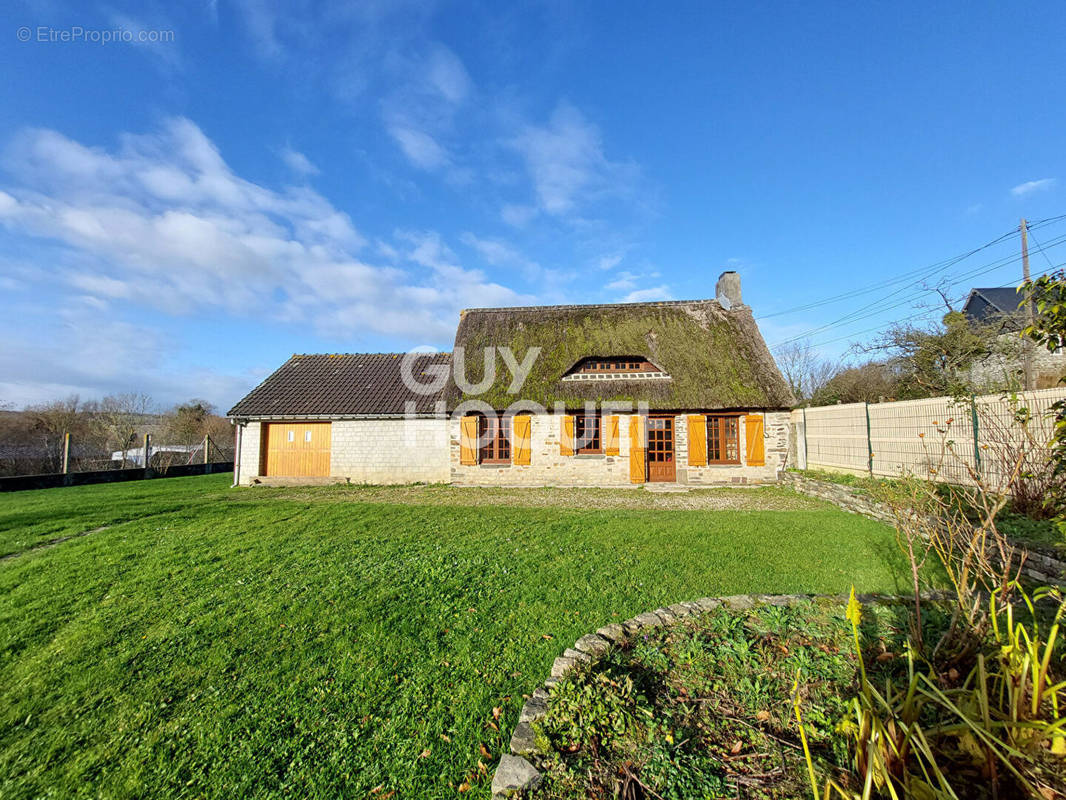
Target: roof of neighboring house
[(715, 358), (984, 304), (342, 384)]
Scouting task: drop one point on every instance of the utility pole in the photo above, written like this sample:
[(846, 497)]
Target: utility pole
[(1027, 350)]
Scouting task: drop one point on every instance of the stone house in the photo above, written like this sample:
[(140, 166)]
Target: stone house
[(579, 395), (1011, 354)]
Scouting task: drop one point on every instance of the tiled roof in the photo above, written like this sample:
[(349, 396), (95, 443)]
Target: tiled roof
[(341, 384), (1004, 300)]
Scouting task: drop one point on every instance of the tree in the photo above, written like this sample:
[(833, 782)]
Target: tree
[(805, 372), (869, 383), (935, 360), (121, 416), (189, 422), (49, 422)]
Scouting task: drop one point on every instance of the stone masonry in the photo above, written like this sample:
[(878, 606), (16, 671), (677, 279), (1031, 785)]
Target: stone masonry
[(548, 467)]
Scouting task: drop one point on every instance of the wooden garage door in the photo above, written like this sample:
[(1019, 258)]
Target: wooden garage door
[(296, 449)]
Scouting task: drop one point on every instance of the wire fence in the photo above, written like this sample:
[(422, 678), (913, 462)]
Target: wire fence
[(940, 437), (64, 454)]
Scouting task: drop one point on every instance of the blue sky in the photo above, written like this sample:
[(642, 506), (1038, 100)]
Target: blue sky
[(179, 217)]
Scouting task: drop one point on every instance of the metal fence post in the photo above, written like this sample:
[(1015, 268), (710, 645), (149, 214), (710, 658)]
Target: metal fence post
[(869, 441), (806, 452), (147, 452), (976, 430)]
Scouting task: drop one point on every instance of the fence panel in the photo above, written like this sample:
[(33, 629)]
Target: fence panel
[(914, 436), (836, 437)]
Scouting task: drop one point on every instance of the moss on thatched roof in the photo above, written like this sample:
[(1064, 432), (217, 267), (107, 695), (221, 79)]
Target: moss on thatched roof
[(716, 359)]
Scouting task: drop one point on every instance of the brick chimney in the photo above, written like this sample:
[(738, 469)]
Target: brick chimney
[(727, 290)]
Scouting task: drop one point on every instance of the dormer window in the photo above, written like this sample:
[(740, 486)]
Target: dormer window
[(614, 368)]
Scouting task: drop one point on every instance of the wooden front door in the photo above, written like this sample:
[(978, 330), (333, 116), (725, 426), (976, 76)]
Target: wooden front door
[(296, 449), (661, 463)]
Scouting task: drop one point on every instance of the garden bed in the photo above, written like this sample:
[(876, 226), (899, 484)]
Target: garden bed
[(702, 708), (706, 707)]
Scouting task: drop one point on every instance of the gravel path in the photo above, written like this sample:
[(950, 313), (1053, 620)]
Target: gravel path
[(764, 498)]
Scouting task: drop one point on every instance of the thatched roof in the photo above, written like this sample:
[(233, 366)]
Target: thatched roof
[(716, 359)]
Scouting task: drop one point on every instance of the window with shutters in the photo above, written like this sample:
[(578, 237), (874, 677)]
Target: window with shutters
[(587, 434), (723, 439), (495, 435)]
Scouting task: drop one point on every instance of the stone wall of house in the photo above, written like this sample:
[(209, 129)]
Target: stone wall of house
[(248, 458), (548, 467), (378, 451), (383, 451), (775, 444), (1004, 368)]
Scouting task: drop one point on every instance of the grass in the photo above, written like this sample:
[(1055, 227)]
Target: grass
[(1043, 534), (296, 643)]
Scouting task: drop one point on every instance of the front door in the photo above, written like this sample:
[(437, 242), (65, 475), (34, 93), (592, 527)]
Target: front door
[(661, 464)]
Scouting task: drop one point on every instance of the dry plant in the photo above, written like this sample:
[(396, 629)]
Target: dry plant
[(956, 525)]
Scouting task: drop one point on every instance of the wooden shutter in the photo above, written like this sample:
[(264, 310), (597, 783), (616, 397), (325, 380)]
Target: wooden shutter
[(566, 436), (468, 440), (753, 430), (610, 436), (520, 447), (637, 466), (697, 440)]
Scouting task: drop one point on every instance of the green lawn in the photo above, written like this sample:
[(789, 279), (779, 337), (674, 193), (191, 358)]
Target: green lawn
[(308, 643)]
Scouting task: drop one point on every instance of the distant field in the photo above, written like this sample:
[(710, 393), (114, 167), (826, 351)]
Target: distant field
[(296, 643)]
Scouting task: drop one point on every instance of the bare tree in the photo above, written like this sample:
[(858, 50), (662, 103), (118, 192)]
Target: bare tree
[(49, 422), (121, 416), (800, 365)]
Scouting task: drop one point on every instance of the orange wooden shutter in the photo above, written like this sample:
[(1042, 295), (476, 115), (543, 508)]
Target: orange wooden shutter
[(610, 440), (637, 467), (753, 428), (468, 440), (697, 440), (520, 426), (566, 436)]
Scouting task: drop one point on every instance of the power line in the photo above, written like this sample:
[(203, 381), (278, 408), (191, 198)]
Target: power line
[(879, 307), (1040, 247), (924, 272), (911, 316)]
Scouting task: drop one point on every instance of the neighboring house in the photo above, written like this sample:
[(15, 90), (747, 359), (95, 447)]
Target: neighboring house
[(1004, 366), (674, 392)]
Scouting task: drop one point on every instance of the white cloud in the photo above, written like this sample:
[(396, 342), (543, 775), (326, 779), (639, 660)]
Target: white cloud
[(446, 73), (646, 295), (517, 215), (298, 162), (609, 262), (625, 281), (1029, 187), (161, 221), (566, 162), (421, 149)]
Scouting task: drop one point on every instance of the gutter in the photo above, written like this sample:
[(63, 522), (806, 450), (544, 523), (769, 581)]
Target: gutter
[(237, 453)]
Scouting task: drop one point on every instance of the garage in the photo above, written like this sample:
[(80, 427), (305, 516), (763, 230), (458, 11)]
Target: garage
[(296, 449)]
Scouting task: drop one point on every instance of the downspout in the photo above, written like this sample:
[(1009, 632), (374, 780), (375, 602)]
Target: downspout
[(237, 453)]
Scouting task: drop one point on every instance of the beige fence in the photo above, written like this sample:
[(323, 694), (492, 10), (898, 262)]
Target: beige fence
[(917, 436)]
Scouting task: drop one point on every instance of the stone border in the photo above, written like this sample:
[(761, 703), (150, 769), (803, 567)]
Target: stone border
[(515, 773), (1041, 564)]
